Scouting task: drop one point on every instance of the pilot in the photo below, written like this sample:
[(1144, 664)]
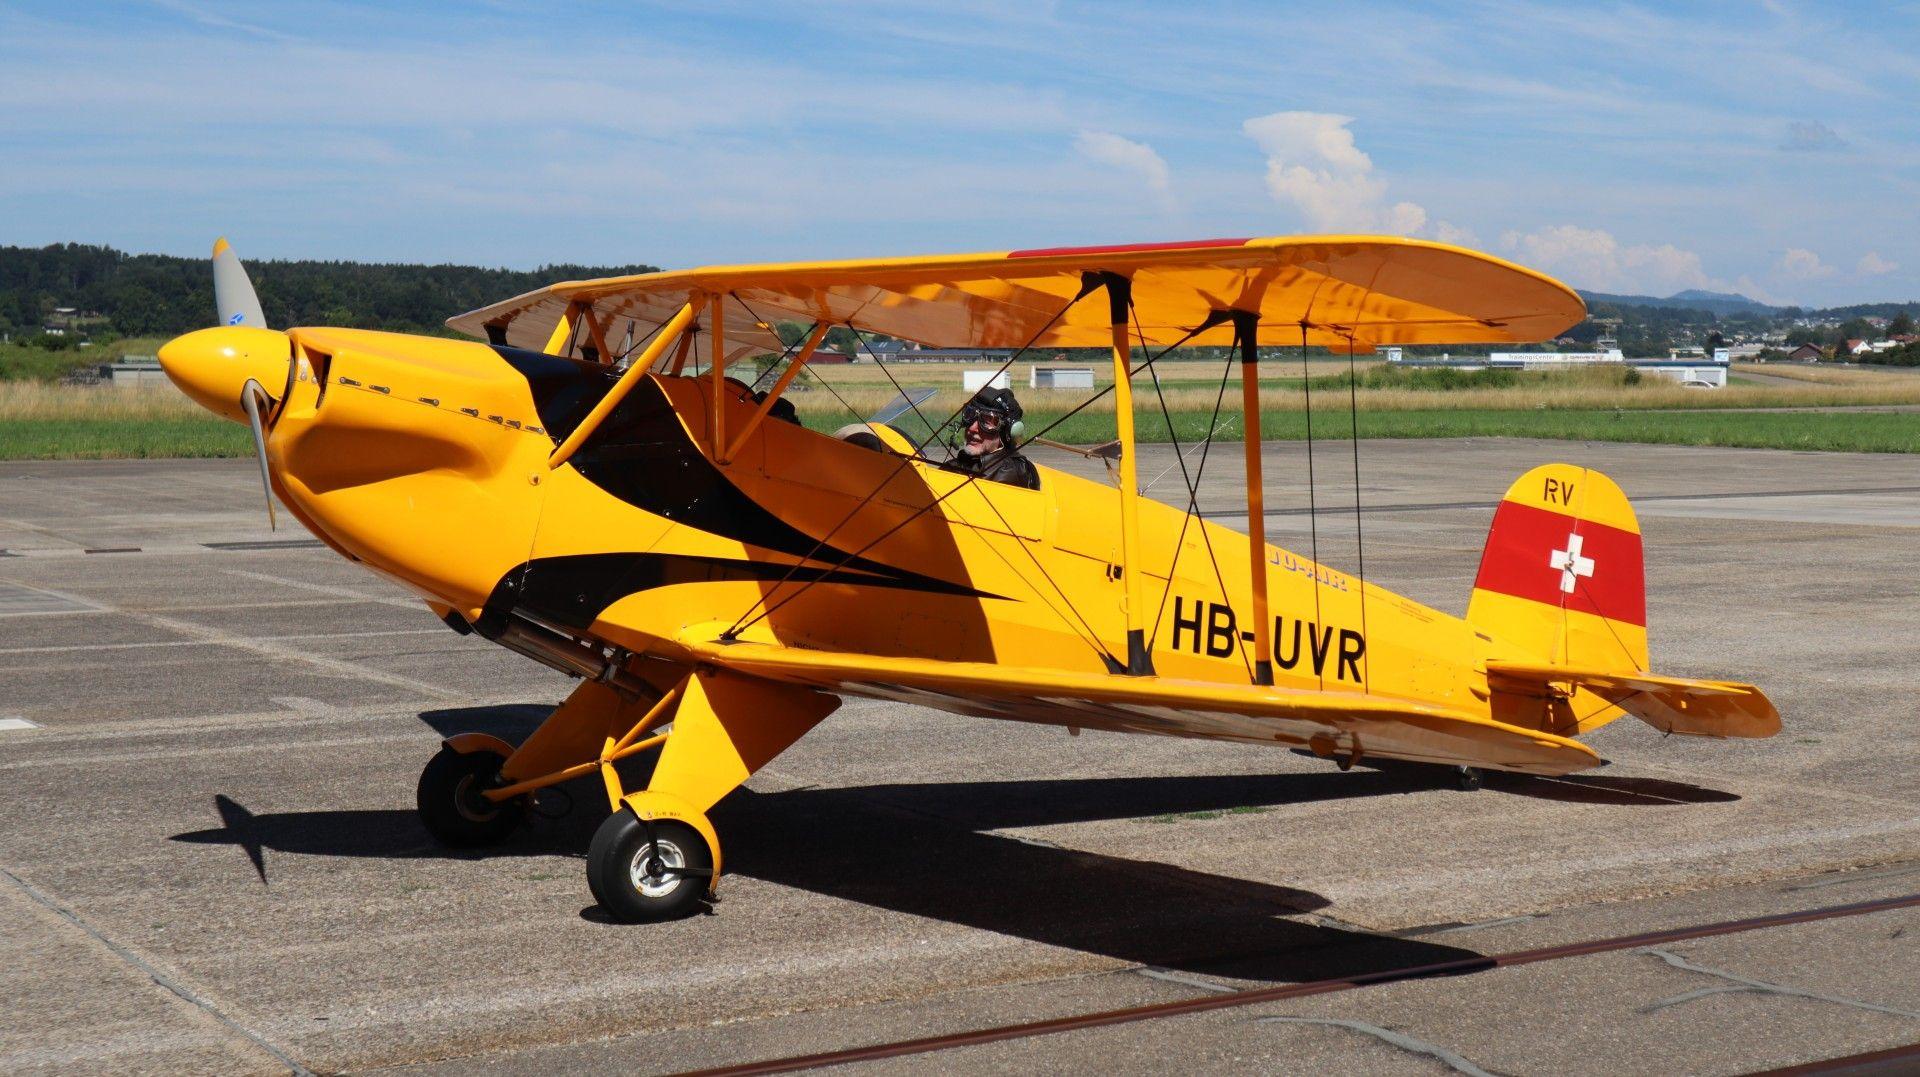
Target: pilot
[(989, 424)]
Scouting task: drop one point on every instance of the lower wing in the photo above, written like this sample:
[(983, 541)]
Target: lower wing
[(1326, 722)]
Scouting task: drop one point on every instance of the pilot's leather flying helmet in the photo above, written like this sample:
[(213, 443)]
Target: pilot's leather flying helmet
[(996, 410)]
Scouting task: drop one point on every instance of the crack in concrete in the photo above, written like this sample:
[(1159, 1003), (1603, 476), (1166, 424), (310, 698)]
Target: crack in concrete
[(160, 979), (1400, 1040), (1186, 978), (1742, 984)]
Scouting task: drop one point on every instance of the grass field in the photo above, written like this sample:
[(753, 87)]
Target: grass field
[(46, 421), (19, 362)]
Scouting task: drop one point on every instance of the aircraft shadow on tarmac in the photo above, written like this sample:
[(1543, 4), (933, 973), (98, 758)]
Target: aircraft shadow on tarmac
[(899, 848), (923, 849), (1612, 789)]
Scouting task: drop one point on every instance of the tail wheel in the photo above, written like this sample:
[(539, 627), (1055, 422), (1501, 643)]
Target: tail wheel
[(644, 872), (450, 803)]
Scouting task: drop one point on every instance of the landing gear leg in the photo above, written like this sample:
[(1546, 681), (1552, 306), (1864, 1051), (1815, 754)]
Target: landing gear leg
[(657, 856)]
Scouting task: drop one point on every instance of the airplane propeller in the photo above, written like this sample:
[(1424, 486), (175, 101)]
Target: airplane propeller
[(226, 369), (253, 398)]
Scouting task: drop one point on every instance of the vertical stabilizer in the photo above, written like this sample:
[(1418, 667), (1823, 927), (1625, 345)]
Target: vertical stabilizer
[(1562, 578)]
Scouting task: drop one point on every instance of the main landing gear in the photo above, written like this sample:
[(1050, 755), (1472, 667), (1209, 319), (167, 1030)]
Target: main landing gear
[(643, 870), (656, 857)]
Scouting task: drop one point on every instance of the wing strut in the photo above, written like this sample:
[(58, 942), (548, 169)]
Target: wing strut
[(621, 388), (717, 367), (1246, 326), (1119, 302), (773, 395)]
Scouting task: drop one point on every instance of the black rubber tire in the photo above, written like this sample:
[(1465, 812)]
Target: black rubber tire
[(619, 842), (451, 806), (1468, 779)]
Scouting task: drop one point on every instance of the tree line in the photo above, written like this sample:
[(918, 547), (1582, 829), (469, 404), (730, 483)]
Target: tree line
[(139, 295)]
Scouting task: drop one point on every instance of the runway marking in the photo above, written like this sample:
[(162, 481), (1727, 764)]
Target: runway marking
[(25, 600), (210, 607), (323, 589), (164, 548), (67, 647), (160, 979), (288, 654), (254, 748), (402, 714), (12, 724)]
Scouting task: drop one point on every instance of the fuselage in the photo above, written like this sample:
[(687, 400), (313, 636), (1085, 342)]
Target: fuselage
[(426, 459)]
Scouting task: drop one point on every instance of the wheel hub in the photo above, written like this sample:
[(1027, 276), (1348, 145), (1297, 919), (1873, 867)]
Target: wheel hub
[(469, 803), (653, 868)]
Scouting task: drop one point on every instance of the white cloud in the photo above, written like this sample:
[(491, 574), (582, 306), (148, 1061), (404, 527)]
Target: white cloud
[(1459, 237), (1800, 263), (1106, 148), (1593, 258), (1872, 265), (1314, 166)]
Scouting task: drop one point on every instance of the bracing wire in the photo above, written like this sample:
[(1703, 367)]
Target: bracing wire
[(824, 384), (742, 623), (786, 352), (1087, 286), (875, 356), (635, 345), (1313, 509), (1092, 638), (1193, 506), (1359, 533), (1095, 398)]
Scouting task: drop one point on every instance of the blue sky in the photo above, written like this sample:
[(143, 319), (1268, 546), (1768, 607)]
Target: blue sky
[(1771, 148)]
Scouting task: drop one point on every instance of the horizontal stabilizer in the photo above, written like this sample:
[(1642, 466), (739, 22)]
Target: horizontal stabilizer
[(1342, 723), (1670, 704)]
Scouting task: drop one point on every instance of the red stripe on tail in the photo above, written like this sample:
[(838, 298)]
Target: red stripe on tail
[(1531, 553)]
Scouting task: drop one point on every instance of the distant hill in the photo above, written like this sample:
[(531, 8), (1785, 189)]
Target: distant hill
[(162, 295), (1720, 304)]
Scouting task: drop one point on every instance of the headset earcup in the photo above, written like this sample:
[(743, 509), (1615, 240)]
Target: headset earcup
[(1019, 429)]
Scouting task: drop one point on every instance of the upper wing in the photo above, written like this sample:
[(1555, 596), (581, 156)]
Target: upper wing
[(1669, 704), (1329, 721), (1366, 290)]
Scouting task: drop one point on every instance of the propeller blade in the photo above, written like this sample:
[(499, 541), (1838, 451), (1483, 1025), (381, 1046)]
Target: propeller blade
[(251, 396), (232, 291)]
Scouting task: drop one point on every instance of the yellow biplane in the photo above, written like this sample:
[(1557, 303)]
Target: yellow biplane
[(718, 578)]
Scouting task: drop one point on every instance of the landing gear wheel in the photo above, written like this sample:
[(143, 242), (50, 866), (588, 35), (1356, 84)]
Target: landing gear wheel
[(450, 803), (1467, 779), (638, 879)]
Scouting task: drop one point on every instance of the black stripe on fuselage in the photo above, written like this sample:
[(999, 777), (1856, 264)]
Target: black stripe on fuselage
[(642, 455), (572, 592)]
